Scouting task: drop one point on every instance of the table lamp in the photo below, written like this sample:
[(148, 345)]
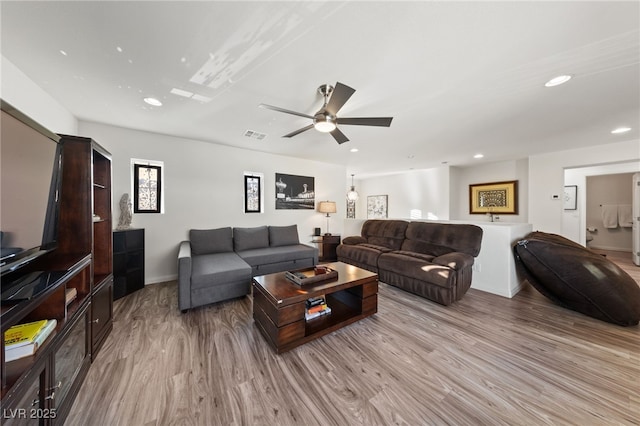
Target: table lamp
[(327, 207)]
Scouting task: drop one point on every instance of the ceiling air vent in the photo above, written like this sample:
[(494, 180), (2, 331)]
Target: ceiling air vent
[(255, 135)]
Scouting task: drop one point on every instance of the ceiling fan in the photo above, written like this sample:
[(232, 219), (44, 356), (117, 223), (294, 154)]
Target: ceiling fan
[(326, 120)]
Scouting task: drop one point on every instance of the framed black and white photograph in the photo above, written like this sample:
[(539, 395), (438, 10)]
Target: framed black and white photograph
[(252, 194), (571, 197), (377, 206), (295, 192)]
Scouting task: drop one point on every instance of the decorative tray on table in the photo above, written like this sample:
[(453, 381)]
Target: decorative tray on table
[(311, 275)]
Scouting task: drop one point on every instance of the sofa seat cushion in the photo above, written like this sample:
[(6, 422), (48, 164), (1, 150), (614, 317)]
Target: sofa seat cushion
[(263, 256), (218, 268), (409, 265), (578, 278), (425, 257)]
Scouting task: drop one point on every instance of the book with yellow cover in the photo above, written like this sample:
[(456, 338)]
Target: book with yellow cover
[(15, 352), (22, 334)]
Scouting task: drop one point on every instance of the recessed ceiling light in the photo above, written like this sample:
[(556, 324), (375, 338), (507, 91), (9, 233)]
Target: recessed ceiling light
[(153, 101), (556, 81), (478, 156), (63, 52), (119, 49), (620, 130), (353, 150)]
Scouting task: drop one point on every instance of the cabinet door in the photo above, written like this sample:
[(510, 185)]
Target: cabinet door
[(101, 315), (30, 408), (70, 364)]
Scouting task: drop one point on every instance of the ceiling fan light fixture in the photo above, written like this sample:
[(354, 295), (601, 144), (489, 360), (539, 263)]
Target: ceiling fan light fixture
[(324, 123)]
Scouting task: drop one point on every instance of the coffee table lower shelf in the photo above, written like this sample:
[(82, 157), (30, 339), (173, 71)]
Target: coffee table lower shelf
[(282, 322)]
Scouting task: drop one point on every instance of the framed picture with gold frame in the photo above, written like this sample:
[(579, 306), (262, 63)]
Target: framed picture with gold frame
[(494, 198)]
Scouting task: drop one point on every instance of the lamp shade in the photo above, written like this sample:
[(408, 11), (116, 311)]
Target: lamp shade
[(327, 207)]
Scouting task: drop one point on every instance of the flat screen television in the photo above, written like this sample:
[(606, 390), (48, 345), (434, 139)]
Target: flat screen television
[(30, 180)]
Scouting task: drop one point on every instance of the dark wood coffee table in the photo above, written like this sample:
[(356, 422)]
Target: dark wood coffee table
[(279, 305)]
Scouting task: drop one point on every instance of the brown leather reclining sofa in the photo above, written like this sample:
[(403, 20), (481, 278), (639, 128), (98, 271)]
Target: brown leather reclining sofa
[(432, 260)]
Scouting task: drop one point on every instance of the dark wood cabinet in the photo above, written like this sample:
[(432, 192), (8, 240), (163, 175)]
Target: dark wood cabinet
[(91, 170), (327, 245), (128, 261), (41, 388)]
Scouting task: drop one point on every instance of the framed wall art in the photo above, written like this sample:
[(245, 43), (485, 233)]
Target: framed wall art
[(377, 206), (295, 192), (494, 197), (571, 197), (252, 195)]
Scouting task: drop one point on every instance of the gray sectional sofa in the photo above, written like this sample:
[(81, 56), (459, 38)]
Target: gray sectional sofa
[(218, 264), (432, 260)]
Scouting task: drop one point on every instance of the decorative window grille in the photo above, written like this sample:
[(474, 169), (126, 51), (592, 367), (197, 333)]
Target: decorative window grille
[(147, 188)]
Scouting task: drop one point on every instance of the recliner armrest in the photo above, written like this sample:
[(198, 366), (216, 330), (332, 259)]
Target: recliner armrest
[(354, 240), (184, 275), (455, 260)]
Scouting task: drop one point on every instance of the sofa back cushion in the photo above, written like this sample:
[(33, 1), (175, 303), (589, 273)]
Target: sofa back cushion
[(250, 238), (209, 241), (283, 235), (385, 233), (437, 239)]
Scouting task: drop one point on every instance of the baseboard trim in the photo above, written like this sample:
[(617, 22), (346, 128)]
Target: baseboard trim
[(611, 248)]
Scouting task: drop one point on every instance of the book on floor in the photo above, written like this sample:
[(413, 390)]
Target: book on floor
[(14, 352)]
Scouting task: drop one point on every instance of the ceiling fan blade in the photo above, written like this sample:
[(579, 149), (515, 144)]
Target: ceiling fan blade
[(297, 132), (339, 136), (341, 94), (366, 121), (286, 111)]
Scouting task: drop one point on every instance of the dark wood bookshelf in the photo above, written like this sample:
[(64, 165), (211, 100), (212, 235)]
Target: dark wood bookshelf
[(83, 261)]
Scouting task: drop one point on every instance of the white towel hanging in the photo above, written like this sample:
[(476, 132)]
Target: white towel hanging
[(610, 215), (624, 216)]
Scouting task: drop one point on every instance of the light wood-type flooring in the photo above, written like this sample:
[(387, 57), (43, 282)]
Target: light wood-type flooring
[(485, 360)]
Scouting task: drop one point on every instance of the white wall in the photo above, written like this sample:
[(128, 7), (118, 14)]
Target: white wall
[(546, 174), (426, 191), (204, 189), (486, 173), (22, 93)]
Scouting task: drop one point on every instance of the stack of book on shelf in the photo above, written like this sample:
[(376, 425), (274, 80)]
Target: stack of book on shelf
[(70, 295), (316, 306), (23, 340)]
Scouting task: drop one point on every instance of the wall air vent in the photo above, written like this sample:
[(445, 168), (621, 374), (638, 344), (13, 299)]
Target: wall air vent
[(255, 135)]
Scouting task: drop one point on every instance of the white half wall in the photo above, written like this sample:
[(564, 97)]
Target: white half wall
[(22, 93), (204, 189)]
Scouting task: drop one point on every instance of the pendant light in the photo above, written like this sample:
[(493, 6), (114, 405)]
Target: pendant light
[(352, 195)]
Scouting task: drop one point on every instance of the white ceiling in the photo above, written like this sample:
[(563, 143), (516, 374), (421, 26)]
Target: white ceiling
[(459, 78)]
